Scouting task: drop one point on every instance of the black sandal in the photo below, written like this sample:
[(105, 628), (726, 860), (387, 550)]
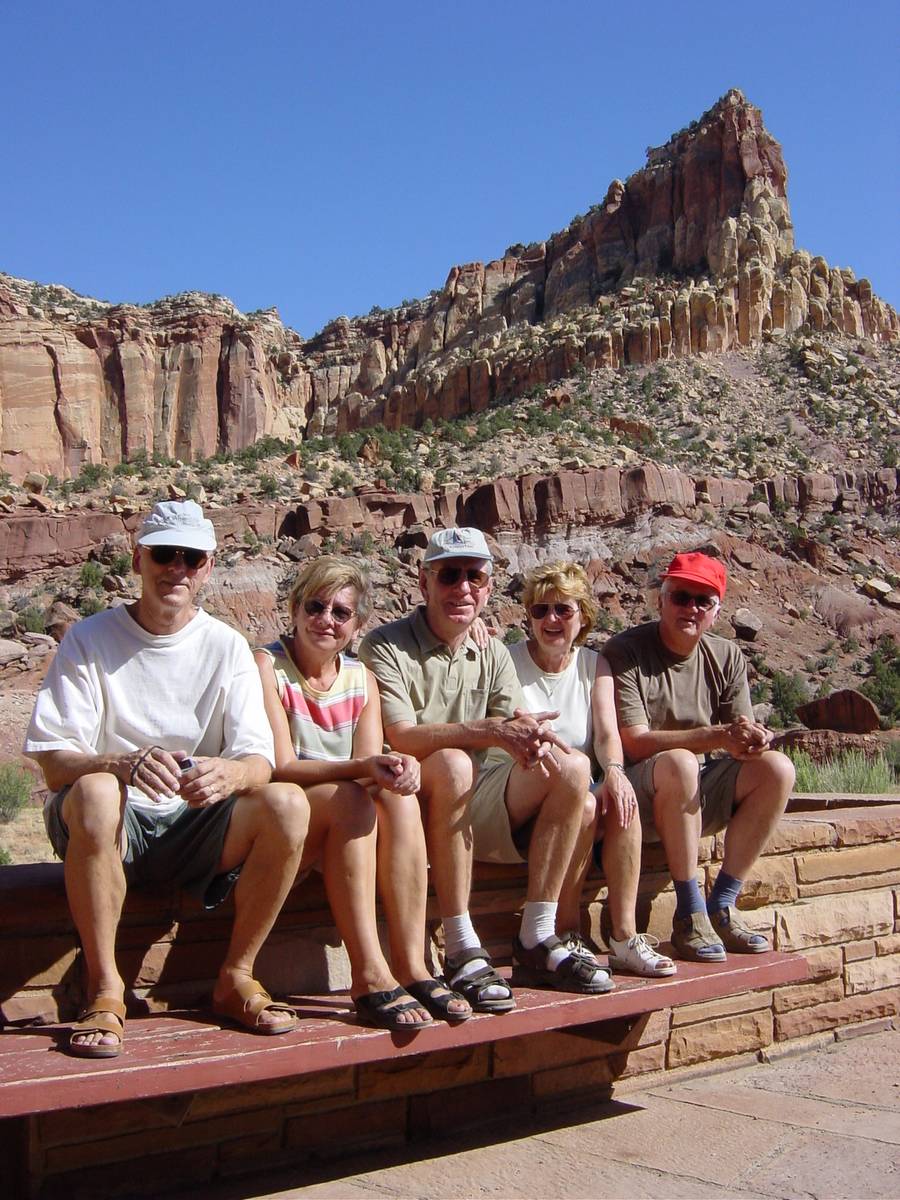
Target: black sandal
[(577, 972), (426, 991), (473, 986), (379, 1010)]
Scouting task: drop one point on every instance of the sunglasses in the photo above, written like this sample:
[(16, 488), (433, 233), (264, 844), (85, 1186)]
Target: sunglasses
[(192, 559), (565, 612), (450, 576), (684, 599), (339, 614)]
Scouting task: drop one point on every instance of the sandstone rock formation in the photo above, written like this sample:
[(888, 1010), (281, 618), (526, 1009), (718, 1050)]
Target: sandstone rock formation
[(694, 253)]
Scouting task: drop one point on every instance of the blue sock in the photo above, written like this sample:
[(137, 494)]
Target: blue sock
[(689, 897), (724, 892)]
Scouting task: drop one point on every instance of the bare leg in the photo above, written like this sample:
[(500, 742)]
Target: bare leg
[(568, 914), (266, 834), (342, 831), (622, 868), (95, 884), (761, 795), (676, 810), (403, 884), (557, 804), (447, 779)]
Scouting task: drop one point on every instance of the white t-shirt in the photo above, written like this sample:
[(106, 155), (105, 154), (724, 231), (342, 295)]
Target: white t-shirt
[(569, 691), (113, 688)]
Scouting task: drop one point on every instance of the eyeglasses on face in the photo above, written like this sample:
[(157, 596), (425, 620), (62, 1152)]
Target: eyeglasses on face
[(340, 614), (565, 612), (164, 555), (683, 599), (450, 576)]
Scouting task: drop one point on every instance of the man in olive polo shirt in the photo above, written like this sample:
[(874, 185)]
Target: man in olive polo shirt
[(681, 694), (447, 700)]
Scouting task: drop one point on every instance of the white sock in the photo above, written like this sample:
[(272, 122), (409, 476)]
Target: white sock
[(459, 934), (538, 922)]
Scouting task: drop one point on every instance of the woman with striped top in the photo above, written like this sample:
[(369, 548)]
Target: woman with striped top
[(325, 714)]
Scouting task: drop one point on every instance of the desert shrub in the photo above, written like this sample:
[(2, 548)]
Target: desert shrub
[(15, 791), (33, 619), (786, 693), (512, 635), (121, 563), (90, 476), (91, 604), (91, 574), (883, 685), (851, 772), (268, 485)]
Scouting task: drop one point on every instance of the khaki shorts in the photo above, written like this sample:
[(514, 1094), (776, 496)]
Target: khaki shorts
[(718, 779), (492, 837)]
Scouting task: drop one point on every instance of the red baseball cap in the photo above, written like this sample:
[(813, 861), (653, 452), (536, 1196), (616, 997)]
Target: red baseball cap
[(698, 568)]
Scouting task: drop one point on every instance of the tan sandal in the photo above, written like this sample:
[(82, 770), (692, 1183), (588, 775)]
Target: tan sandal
[(104, 1015), (246, 1003)]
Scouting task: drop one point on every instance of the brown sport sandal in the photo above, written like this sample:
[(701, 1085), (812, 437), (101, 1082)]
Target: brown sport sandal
[(736, 937)]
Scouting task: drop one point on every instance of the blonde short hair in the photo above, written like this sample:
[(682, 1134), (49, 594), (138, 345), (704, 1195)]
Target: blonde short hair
[(567, 579), (330, 574)]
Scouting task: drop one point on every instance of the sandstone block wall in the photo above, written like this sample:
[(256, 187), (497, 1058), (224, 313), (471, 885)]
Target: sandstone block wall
[(849, 934)]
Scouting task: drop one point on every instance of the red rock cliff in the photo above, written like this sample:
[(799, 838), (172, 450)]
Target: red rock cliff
[(693, 253)]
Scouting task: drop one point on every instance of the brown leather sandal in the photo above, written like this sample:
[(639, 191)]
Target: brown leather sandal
[(105, 1015), (246, 1003)]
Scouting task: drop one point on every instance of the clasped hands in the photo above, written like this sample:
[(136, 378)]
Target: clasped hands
[(530, 740), (157, 773), (745, 739)]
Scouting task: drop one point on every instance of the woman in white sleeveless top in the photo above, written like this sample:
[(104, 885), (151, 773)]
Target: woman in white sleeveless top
[(559, 674), (325, 714)]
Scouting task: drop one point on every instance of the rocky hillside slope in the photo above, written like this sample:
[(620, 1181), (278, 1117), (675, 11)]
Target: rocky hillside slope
[(694, 254)]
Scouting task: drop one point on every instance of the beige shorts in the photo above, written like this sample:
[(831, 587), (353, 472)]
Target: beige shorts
[(491, 834), (718, 779)]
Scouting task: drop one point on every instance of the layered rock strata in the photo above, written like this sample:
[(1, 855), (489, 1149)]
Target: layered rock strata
[(692, 254)]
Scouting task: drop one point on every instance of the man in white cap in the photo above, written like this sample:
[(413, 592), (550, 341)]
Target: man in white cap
[(447, 700), (152, 736)]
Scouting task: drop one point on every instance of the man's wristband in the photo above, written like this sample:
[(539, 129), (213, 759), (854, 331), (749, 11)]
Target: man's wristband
[(606, 769)]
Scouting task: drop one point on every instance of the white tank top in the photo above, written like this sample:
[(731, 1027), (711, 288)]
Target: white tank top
[(569, 692)]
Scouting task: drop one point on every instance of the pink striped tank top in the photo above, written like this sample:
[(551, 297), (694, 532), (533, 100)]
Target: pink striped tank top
[(322, 724)]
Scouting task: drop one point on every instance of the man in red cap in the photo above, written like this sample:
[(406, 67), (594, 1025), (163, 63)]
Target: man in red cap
[(681, 695)]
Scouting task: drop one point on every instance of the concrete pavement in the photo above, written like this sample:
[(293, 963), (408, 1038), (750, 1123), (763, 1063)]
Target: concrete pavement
[(826, 1125)]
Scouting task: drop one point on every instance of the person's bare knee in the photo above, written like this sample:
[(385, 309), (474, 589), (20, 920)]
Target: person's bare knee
[(283, 813), (92, 809), (676, 780), (447, 777), (352, 810)]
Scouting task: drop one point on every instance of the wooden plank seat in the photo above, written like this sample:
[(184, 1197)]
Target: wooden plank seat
[(177, 1052)]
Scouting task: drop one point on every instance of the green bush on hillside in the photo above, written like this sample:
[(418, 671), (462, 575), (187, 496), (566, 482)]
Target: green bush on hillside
[(15, 791)]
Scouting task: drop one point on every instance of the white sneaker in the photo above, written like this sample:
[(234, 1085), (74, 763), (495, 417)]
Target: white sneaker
[(638, 955)]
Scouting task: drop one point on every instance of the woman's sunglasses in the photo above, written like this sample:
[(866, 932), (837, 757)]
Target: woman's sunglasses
[(192, 559), (565, 612), (450, 576), (684, 599), (339, 614)]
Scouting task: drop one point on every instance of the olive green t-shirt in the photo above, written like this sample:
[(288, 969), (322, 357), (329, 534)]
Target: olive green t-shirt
[(657, 688), (422, 681)]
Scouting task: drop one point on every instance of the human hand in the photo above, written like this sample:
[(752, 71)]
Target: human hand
[(395, 772), (529, 738), (745, 739), (152, 770), (210, 781), (617, 791), (479, 633)]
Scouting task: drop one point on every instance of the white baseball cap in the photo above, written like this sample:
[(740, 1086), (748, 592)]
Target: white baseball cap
[(178, 523), (457, 543)]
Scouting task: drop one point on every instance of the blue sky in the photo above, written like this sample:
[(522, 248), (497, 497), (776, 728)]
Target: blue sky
[(327, 157)]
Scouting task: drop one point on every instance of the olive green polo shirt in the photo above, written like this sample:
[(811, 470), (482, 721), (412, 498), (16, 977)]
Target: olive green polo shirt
[(423, 681)]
